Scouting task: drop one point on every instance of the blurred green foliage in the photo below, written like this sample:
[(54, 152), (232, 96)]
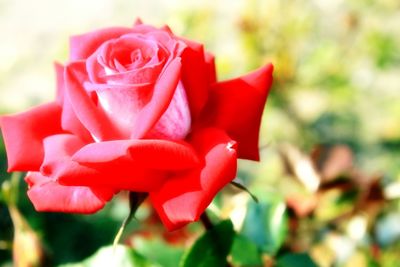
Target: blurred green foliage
[(329, 177)]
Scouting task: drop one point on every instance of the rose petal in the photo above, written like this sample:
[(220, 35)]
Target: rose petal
[(122, 105), (166, 28), (143, 28), (101, 64), (237, 106), (183, 198), (196, 82), (48, 195), (138, 21), (152, 154), (58, 165), (69, 121), (212, 72), (58, 150), (82, 46), (146, 75), (93, 118), (23, 134), (175, 123), (164, 90)]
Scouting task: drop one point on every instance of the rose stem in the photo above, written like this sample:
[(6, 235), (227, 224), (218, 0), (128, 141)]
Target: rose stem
[(205, 220)]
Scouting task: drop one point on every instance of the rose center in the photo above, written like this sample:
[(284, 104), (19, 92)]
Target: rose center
[(129, 53)]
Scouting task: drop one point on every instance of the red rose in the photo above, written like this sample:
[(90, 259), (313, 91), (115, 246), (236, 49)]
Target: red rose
[(137, 109)]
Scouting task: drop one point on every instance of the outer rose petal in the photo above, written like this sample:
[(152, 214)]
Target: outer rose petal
[(152, 154), (58, 165), (69, 121), (183, 198), (48, 195), (23, 134), (212, 72), (82, 46), (195, 76), (237, 106)]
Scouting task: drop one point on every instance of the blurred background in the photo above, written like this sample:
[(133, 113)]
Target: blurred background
[(329, 178)]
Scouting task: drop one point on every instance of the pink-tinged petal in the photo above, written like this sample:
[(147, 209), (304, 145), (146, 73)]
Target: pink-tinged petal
[(166, 28), (58, 165), (92, 117), (58, 151), (114, 61), (183, 198), (175, 123), (94, 69), (122, 104), (164, 90), (237, 106), (82, 46), (23, 134), (195, 76), (48, 195), (69, 121), (150, 154), (145, 75)]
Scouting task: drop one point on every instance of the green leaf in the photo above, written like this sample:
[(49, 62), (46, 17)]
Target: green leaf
[(295, 260), (266, 224), (166, 256), (120, 256), (245, 253), (212, 248)]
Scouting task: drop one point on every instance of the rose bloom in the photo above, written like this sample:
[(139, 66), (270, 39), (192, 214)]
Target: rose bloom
[(137, 109)]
